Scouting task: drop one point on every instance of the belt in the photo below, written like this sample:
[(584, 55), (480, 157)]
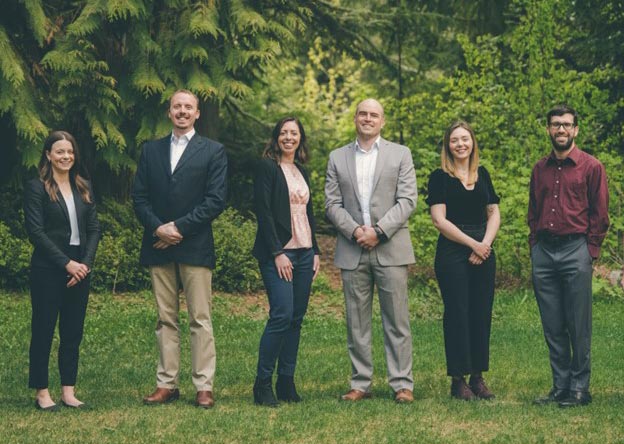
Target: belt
[(554, 239)]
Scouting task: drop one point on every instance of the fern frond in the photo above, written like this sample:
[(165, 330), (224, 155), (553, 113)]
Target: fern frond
[(125, 9), (205, 21), (37, 20), (10, 63)]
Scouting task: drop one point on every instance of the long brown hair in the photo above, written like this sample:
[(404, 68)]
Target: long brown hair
[(77, 174), (272, 149), (447, 160)]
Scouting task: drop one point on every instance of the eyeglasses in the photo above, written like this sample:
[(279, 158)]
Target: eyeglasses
[(566, 125)]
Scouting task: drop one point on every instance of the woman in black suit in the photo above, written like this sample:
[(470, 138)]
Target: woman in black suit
[(464, 209), (288, 256), (62, 225)]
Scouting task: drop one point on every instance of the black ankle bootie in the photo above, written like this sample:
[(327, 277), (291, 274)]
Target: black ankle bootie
[(285, 389), (263, 393)]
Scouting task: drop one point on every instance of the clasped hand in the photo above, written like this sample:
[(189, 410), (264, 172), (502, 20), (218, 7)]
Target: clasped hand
[(168, 235), (480, 252), (366, 237), (76, 271)]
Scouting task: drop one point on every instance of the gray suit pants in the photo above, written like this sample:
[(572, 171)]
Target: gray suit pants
[(391, 285), (562, 280)]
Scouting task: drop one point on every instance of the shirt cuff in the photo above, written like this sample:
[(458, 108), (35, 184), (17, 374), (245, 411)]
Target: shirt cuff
[(380, 234), (594, 251)]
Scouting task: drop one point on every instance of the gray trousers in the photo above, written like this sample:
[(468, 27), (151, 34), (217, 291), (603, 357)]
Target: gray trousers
[(391, 285), (562, 280)]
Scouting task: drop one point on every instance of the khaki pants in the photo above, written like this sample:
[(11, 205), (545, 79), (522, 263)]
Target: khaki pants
[(196, 282)]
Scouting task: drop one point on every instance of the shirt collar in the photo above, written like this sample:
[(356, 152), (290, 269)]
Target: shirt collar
[(574, 156), (374, 147), (188, 136)]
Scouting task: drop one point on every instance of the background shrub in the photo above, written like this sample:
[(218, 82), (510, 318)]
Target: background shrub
[(14, 259), (237, 270)]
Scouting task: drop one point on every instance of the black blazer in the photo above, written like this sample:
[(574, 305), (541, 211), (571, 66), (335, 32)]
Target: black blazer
[(47, 224), (272, 208), (192, 197)]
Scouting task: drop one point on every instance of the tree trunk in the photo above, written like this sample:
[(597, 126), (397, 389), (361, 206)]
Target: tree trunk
[(209, 122)]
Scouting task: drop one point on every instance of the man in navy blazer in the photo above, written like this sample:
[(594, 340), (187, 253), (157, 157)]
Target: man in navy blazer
[(179, 188)]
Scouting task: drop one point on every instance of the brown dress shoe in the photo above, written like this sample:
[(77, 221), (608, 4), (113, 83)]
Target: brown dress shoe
[(460, 390), (404, 396), (204, 399), (162, 396), (478, 387), (355, 395)]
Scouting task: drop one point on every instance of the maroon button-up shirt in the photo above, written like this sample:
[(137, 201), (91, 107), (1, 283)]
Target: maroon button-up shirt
[(569, 197)]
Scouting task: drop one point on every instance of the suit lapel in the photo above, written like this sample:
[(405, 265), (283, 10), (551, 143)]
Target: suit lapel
[(62, 204), (352, 170), (78, 203), (382, 154), (191, 149), (164, 153)]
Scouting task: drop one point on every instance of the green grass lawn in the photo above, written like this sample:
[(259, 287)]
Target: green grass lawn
[(119, 355)]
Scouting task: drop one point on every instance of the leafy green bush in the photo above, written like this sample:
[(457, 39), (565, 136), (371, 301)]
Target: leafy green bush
[(14, 259), (236, 270), (117, 261)]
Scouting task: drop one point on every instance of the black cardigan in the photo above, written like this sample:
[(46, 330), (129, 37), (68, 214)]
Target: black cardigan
[(272, 208)]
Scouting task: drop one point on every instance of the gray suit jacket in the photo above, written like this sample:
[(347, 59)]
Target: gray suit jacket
[(393, 200)]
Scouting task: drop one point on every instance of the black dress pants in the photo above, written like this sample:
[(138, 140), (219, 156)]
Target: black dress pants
[(52, 300), (468, 294)]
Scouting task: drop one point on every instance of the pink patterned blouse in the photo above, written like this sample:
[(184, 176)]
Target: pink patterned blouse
[(299, 197)]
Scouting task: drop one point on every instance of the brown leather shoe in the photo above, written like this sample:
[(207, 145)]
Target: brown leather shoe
[(460, 390), (355, 395), (404, 396), (204, 399), (478, 387), (161, 396)]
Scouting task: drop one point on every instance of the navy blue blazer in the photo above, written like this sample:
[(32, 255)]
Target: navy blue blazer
[(192, 197), (272, 208), (49, 230)]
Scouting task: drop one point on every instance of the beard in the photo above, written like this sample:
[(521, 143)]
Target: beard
[(559, 147)]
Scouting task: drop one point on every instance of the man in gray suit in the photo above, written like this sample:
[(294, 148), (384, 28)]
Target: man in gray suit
[(370, 192)]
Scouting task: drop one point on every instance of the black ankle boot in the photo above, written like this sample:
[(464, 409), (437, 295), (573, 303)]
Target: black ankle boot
[(263, 393), (285, 389)]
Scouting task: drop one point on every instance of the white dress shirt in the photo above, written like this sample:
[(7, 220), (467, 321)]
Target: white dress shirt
[(74, 239), (365, 162), (178, 145)]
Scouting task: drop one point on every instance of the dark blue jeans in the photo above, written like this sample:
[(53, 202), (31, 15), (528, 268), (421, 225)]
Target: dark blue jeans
[(288, 302)]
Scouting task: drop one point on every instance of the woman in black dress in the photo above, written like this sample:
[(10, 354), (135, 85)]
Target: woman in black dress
[(59, 210), (464, 209)]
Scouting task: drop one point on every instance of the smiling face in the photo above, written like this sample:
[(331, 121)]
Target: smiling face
[(183, 112), (461, 144), (61, 157), (369, 119), (288, 140), (560, 136)]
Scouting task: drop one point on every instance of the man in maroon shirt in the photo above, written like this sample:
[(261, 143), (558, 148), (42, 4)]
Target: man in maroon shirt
[(568, 221)]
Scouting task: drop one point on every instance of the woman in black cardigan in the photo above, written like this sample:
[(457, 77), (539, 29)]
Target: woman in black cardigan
[(62, 225), (288, 256)]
